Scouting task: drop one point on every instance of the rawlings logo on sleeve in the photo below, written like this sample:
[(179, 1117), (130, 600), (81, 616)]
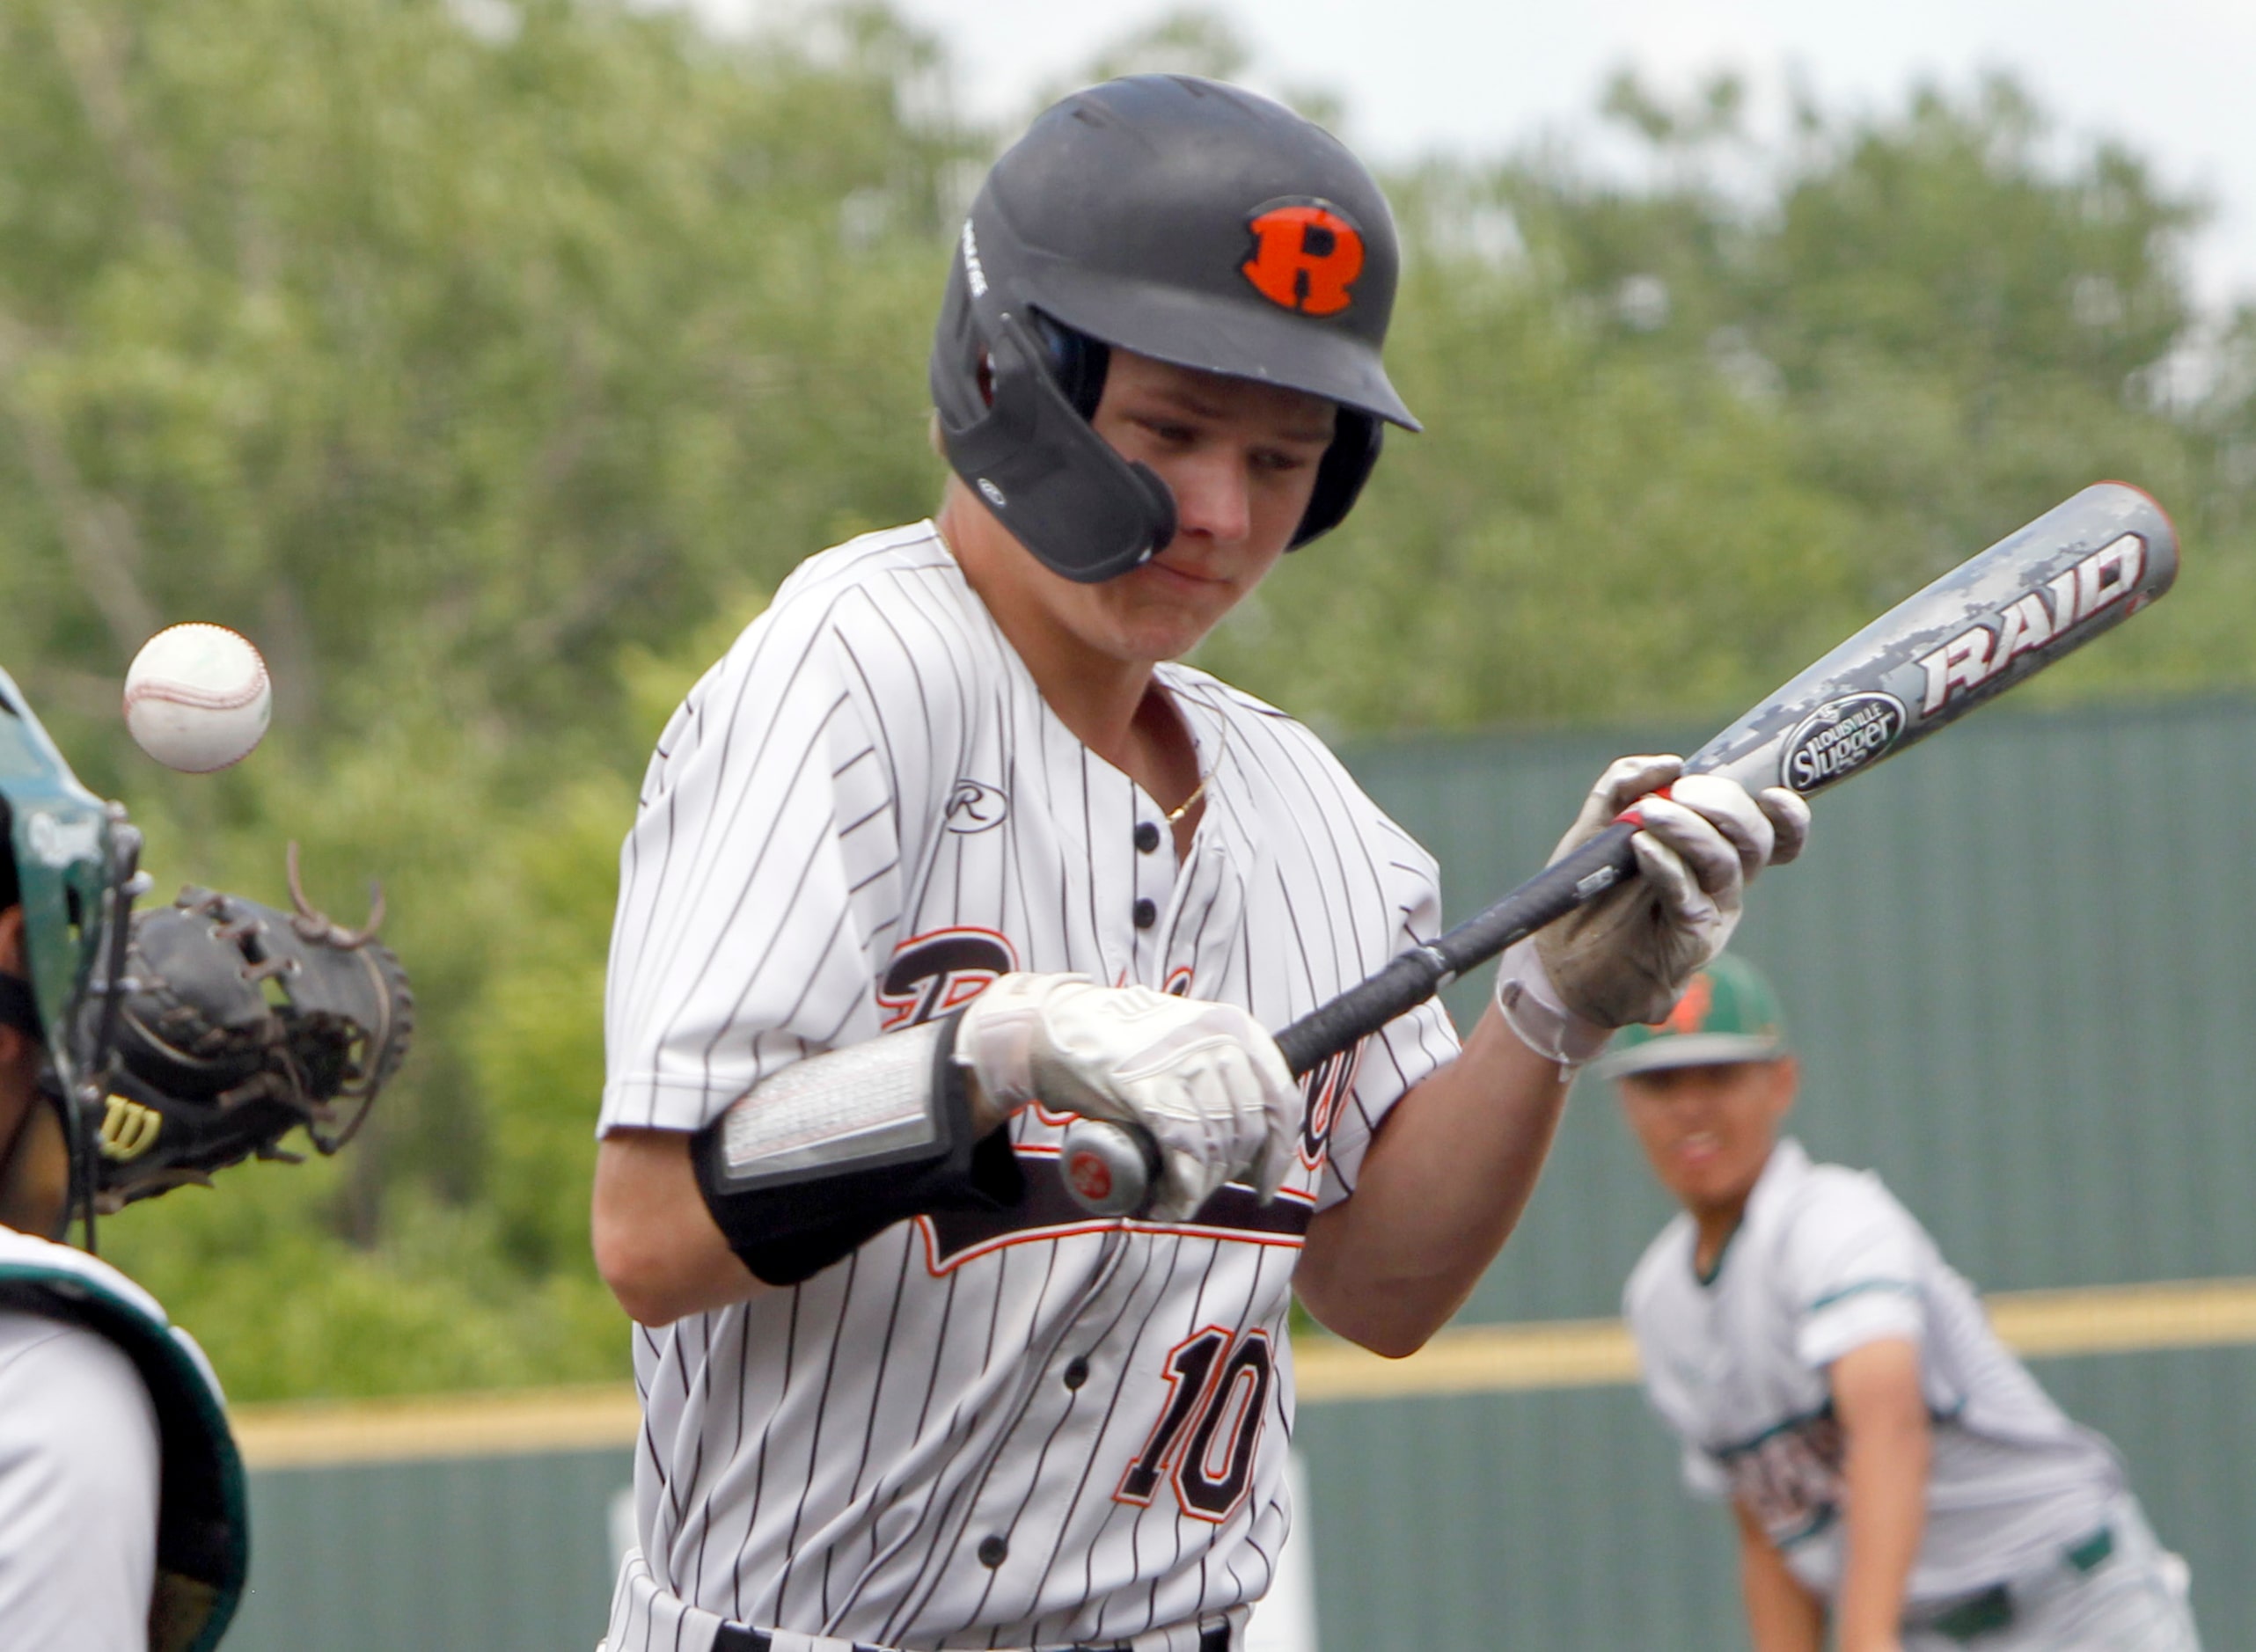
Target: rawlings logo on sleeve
[(973, 805)]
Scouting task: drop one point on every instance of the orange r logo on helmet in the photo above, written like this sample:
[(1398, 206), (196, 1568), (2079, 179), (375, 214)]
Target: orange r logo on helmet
[(1306, 257)]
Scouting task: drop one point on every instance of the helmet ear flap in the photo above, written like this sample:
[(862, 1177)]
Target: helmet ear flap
[(1058, 487), (1340, 474)]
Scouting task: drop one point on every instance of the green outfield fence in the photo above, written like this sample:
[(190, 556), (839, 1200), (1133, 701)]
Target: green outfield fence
[(2022, 974)]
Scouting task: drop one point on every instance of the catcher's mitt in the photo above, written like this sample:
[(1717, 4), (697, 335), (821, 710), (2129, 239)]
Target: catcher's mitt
[(239, 1023)]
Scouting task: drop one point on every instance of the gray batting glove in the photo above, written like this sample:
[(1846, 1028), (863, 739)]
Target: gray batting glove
[(1627, 956), (1205, 1081)]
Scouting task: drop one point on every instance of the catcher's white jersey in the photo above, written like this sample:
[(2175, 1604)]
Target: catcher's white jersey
[(1825, 1261), (79, 1463), (1031, 1429)]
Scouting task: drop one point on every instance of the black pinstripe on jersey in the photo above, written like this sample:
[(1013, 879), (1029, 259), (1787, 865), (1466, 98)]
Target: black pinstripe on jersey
[(849, 819)]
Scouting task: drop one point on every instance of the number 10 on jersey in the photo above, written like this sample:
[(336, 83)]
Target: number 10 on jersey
[(1205, 1440)]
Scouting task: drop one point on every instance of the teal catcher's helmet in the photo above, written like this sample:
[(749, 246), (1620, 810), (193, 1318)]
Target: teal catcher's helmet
[(73, 861)]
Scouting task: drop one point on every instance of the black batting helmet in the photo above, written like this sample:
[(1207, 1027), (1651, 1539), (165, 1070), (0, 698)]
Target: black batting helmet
[(1188, 221)]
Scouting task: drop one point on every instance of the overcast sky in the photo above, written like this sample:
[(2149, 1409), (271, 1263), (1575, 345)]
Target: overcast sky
[(2175, 78)]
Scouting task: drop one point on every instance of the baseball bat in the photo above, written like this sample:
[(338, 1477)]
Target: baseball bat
[(1996, 619)]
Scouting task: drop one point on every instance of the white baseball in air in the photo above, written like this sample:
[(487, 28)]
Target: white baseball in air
[(197, 697)]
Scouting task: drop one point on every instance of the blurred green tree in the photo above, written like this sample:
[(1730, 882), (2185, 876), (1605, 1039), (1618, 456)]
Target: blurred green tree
[(486, 360), (457, 354), (1688, 429)]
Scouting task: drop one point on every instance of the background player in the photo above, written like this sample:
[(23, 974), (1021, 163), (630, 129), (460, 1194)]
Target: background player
[(1891, 1466), (122, 1513), (897, 1387)]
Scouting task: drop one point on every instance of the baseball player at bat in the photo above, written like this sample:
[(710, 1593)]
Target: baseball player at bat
[(136, 1056), (1893, 1469), (948, 851)]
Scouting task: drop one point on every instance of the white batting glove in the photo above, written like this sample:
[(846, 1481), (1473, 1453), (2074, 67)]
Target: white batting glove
[(1205, 1081), (1627, 956)]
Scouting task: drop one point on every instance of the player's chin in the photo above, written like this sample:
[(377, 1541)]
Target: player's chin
[(1715, 1183), (1164, 623), (1173, 639)]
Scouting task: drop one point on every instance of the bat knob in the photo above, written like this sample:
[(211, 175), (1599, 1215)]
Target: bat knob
[(1109, 1169)]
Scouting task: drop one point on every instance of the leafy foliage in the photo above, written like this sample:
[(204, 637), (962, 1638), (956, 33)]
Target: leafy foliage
[(1684, 434), (487, 362)]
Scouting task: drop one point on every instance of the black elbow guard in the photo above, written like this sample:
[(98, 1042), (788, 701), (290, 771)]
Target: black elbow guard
[(794, 1192)]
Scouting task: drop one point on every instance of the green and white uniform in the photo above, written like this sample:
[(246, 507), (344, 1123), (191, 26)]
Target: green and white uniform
[(2031, 1539), (122, 1517)]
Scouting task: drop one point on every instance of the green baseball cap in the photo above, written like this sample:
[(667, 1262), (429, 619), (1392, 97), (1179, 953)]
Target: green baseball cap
[(1728, 1013)]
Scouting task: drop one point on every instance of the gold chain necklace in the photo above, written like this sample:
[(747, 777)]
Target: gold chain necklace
[(1221, 744)]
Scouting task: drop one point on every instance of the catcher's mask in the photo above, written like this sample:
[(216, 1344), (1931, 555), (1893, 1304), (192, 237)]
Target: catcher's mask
[(73, 861), (1185, 220)]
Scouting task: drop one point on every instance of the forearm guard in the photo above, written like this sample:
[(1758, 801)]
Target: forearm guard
[(821, 1157)]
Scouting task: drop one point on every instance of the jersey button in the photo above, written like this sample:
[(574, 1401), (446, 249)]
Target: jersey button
[(1147, 836), (992, 1552), (1076, 1372), (1147, 915)]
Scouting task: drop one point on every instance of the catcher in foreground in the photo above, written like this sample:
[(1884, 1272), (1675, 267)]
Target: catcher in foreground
[(137, 1054)]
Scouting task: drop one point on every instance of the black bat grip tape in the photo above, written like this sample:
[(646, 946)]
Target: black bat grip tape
[(1412, 977), (1573, 881), (1329, 1028)]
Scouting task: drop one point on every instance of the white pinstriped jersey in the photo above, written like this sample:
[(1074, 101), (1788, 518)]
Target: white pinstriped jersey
[(1825, 1261), (1032, 1429)]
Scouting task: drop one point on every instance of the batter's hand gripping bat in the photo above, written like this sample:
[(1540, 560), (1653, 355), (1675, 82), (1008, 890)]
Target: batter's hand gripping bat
[(1996, 619)]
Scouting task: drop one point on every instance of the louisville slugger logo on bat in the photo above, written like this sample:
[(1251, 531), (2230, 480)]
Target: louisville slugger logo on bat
[(1840, 737), (2079, 569)]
